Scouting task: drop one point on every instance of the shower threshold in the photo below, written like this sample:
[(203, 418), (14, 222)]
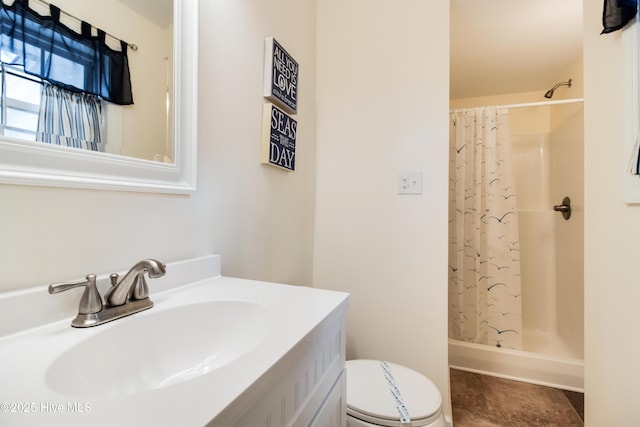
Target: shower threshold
[(553, 371)]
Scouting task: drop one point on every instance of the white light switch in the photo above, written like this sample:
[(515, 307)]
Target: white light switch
[(410, 183)]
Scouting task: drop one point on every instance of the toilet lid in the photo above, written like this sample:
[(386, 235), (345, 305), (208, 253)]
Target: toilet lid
[(371, 385)]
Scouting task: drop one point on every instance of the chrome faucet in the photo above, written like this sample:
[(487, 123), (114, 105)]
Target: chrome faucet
[(133, 285), (128, 296)]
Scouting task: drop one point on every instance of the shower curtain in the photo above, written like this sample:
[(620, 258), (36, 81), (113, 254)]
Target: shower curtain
[(484, 253)]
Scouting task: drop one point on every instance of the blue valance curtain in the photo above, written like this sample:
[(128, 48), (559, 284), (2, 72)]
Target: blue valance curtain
[(617, 13), (48, 49)]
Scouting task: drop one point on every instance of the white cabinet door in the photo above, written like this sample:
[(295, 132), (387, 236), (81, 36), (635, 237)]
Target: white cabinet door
[(333, 412)]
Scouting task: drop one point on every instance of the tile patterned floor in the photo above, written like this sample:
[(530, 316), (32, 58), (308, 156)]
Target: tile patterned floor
[(484, 401)]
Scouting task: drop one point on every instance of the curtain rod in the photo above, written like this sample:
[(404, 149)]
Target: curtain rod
[(132, 46), (536, 104), (543, 103)]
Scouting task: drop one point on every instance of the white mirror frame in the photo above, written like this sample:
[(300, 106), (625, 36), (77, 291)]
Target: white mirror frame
[(33, 163)]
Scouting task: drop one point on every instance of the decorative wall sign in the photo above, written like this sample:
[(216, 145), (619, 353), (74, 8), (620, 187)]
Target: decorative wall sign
[(278, 138), (280, 76)]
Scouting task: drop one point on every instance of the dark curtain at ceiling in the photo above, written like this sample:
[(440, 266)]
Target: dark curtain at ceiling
[(617, 13), (50, 50)]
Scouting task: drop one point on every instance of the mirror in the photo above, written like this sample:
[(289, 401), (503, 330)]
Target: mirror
[(154, 155)]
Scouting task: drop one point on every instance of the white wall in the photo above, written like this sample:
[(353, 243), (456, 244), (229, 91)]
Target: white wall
[(612, 287), (382, 108), (262, 216), (50, 234)]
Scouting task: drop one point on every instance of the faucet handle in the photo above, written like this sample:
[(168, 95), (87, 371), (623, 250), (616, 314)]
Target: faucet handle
[(114, 278), (91, 301)]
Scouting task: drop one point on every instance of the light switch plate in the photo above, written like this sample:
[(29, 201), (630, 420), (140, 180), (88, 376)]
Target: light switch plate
[(410, 183)]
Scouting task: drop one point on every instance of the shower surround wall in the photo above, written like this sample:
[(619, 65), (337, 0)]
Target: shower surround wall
[(548, 160), (548, 163)]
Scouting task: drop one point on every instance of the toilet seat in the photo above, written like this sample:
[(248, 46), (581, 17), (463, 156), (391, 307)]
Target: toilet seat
[(370, 397)]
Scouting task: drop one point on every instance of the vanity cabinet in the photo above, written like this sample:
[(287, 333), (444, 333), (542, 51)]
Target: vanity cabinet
[(333, 411), (306, 387)]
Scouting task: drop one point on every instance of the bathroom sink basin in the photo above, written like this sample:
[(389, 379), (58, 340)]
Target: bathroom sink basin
[(154, 350)]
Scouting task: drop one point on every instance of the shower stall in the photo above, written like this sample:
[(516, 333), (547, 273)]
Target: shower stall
[(547, 163)]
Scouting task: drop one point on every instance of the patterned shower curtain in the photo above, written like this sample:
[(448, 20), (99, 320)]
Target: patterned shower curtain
[(484, 250)]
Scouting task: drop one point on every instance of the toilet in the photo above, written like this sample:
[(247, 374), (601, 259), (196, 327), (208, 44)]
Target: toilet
[(385, 394)]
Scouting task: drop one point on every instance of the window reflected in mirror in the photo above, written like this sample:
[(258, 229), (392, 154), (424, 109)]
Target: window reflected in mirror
[(20, 103)]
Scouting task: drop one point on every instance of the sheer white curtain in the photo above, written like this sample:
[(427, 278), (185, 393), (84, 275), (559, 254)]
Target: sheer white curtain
[(484, 253), (69, 118)]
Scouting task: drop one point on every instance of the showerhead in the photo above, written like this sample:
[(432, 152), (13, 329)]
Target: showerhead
[(549, 93)]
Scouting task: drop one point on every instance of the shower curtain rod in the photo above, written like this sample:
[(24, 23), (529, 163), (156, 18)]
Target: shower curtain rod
[(537, 104)]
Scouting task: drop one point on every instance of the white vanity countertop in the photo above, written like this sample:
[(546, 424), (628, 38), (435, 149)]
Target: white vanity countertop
[(27, 399)]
